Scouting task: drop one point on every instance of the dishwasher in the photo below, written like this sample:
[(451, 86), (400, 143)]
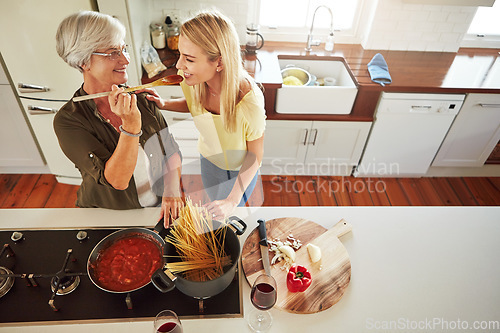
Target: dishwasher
[(407, 133)]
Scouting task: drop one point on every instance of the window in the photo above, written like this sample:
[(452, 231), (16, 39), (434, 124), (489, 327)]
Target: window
[(484, 30), (290, 20), (485, 21)]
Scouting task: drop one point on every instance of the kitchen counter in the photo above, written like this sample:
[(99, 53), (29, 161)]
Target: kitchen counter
[(412, 267), (468, 70)]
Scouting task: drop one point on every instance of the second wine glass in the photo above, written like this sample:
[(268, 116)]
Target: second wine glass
[(167, 322), (263, 297)]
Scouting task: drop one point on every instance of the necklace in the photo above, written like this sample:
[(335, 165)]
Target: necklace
[(112, 120), (211, 92)]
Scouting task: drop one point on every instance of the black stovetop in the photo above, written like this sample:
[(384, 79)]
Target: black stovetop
[(44, 251)]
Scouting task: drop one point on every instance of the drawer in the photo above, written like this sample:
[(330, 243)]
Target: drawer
[(169, 92)]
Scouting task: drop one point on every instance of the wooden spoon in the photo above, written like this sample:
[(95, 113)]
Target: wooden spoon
[(164, 81)]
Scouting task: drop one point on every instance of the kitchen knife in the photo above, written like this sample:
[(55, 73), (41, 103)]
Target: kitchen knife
[(264, 251)]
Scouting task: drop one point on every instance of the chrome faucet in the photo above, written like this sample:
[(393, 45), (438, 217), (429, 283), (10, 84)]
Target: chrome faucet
[(310, 41)]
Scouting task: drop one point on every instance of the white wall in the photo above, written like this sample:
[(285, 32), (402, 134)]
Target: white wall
[(415, 27), (385, 25), (237, 10)]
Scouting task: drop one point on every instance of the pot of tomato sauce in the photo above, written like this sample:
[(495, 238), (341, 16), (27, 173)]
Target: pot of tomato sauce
[(126, 259)]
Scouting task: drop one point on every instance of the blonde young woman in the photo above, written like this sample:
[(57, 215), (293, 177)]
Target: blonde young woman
[(120, 144), (227, 108)]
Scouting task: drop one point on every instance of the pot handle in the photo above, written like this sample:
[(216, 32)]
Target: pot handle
[(164, 281), (239, 226), (159, 228)]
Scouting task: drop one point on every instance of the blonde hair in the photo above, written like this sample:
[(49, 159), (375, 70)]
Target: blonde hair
[(80, 34), (216, 35)]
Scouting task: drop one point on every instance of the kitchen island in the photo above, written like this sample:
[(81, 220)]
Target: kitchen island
[(413, 268)]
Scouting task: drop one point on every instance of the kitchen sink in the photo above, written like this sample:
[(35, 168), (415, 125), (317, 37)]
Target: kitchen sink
[(318, 99)]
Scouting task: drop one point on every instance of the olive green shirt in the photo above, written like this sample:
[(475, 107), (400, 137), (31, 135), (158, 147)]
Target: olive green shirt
[(89, 141)]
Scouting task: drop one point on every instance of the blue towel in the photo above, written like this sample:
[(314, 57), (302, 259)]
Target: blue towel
[(379, 71)]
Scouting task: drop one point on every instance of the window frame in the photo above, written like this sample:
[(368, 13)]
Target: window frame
[(479, 40)]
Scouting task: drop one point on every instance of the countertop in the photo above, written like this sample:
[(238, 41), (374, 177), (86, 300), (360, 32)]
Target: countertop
[(469, 70), (414, 268)]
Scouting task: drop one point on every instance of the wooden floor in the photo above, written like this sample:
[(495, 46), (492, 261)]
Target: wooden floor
[(39, 191)]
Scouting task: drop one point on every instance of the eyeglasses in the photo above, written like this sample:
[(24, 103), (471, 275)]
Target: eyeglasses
[(115, 55)]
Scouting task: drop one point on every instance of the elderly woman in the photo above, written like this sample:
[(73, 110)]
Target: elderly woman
[(120, 144)]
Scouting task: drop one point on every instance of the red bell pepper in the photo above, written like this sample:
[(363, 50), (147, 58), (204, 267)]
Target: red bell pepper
[(298, 279)]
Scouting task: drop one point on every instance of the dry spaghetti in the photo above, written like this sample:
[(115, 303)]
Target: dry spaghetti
[(198, 245), (183, 266)]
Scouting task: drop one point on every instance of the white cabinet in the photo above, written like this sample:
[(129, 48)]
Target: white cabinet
[(182, 127), (285, 142), (474, 133), (29, 51), (18, 150), (28, 46), (313, 147)]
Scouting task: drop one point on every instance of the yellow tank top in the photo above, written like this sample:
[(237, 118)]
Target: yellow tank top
[(224, 149)]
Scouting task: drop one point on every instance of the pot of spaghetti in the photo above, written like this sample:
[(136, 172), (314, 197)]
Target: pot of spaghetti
[(201, 255), (126, 259)]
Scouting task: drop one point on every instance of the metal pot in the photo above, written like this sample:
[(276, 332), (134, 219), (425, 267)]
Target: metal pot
[(109, 240), (300, 73), (165, 281)]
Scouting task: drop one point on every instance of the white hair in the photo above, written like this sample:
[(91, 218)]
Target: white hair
[(82, 33)]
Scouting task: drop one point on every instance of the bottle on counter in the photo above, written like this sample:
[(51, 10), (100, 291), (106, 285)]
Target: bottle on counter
[(329, 42), (158, 35), (172, 34)]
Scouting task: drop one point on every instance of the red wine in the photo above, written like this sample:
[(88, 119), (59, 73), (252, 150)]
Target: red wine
[(263, 296), (169, 327)]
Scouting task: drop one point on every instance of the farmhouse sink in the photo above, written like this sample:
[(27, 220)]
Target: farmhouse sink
[(311, 99)]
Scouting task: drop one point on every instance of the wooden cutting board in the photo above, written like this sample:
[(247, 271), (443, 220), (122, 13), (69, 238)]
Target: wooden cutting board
[(330, 277)]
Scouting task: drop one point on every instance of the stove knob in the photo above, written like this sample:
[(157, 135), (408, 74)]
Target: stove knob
[(81, 235), (16, 236)]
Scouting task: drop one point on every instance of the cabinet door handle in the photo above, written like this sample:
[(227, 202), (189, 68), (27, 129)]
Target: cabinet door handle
[(315, 131), (486, 105), (33, 109), (305, 137), (27, 88), (181, 119), (185, 139)]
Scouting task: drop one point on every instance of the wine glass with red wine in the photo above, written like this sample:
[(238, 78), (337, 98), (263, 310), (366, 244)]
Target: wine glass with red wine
[(263, 297), (167, 321)]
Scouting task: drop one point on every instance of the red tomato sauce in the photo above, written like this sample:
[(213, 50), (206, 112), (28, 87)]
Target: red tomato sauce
[(127, 264)]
